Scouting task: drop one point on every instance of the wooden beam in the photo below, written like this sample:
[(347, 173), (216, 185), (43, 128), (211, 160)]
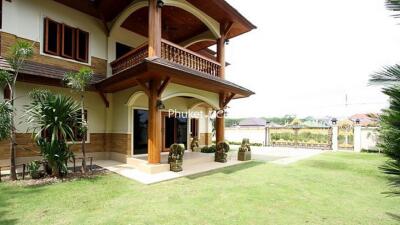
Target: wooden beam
[(220, 120), (227, 28), (228, 99), (163, 86), (154, 29), (104, 97), (144, 87)]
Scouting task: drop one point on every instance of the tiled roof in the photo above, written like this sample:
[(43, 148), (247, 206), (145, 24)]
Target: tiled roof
[(182, 68), (38, 69)]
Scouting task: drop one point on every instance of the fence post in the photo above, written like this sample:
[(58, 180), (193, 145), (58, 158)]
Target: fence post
[(335, 133), (357, 138), (266, 136)]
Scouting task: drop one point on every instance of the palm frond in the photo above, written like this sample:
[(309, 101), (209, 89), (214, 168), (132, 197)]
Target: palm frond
[(20, 51), (388, 76), (393, 5), (5, 78), (79, 80)]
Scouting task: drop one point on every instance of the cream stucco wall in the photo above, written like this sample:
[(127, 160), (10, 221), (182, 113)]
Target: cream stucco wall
[(94, 105), (24, 18)]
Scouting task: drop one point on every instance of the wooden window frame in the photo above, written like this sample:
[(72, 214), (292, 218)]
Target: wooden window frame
[(194, 127), (46, 32), (78, 44), (63, 26)]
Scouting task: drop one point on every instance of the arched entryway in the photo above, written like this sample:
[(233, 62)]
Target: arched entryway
[(184, 115)]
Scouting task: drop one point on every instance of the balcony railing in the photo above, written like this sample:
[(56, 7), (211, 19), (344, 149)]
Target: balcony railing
[(171, 52)]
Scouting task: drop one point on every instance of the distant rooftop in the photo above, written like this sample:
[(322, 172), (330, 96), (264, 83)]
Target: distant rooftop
[(255, 122)]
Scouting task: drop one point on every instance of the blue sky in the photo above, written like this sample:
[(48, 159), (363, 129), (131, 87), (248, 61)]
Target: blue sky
[(306, 56)]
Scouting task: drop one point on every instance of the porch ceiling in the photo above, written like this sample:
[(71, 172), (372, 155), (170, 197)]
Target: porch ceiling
[(157, 67), (178, 25), (220, 10)]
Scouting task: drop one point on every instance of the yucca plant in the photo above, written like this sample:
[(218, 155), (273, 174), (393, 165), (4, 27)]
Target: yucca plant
[(79, 81), (52, 118), (17, 55)]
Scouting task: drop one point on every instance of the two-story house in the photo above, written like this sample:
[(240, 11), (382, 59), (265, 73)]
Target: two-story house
[(148, 56)]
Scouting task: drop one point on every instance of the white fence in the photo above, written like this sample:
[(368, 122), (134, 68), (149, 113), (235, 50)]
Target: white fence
[(365, 138)]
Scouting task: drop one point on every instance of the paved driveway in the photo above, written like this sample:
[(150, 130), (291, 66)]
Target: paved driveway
[(281, 155)]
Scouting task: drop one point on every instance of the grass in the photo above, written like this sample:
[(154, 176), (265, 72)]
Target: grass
[(333, 188)]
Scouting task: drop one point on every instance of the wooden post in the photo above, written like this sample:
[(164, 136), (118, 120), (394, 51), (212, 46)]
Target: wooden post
[(154, 125), (220, 121), (221, 55), (154, 29)]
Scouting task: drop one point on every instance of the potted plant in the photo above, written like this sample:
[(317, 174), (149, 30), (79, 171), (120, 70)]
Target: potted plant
[(175, 157), (221, 151), (244, 153)]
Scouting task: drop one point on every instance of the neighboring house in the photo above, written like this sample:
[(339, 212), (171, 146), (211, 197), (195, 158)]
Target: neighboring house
[(253, 122), (148, 56), (365, 120)]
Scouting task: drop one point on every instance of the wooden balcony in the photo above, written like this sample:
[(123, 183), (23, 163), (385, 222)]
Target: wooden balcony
[(171, 52)]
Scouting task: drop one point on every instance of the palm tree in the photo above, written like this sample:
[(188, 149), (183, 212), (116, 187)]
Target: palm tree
[(51, 118), (18, 53), (79, 81)]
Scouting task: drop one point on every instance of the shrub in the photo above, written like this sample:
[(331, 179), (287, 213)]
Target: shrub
[(33, 169), (208, 149)]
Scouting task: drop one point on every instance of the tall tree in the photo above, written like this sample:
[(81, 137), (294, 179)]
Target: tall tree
[(18, 53), (79, 81)]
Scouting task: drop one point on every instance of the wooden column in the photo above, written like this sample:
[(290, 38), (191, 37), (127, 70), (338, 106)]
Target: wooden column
[(220, 121), (221, 55), (154, 123), (154, 29)]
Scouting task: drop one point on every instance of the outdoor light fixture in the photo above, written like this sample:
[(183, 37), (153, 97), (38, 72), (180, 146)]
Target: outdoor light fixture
[(227, 41), (357, 121), (160, 104), (334, 121), (160, 3)]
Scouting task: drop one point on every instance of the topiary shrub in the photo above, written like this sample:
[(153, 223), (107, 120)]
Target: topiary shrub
[(244, 153), (220, 152), (208, 149), (175, 157), (194, 146)]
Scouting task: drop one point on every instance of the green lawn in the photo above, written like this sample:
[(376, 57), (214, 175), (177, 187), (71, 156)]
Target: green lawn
[(333, 188)]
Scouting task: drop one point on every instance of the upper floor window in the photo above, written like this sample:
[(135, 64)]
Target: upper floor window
[(65, 41), (121, 49)]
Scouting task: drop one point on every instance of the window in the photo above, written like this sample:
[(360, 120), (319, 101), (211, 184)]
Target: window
[(65, 41), (82, 43), (51, 37), (194, 127), (121, 49)]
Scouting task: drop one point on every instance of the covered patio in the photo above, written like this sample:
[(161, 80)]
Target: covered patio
[(193, 163)]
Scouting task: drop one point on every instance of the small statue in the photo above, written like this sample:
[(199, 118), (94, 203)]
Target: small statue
[(244, 153), (221, 149), (175, 157), (194, 146)]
